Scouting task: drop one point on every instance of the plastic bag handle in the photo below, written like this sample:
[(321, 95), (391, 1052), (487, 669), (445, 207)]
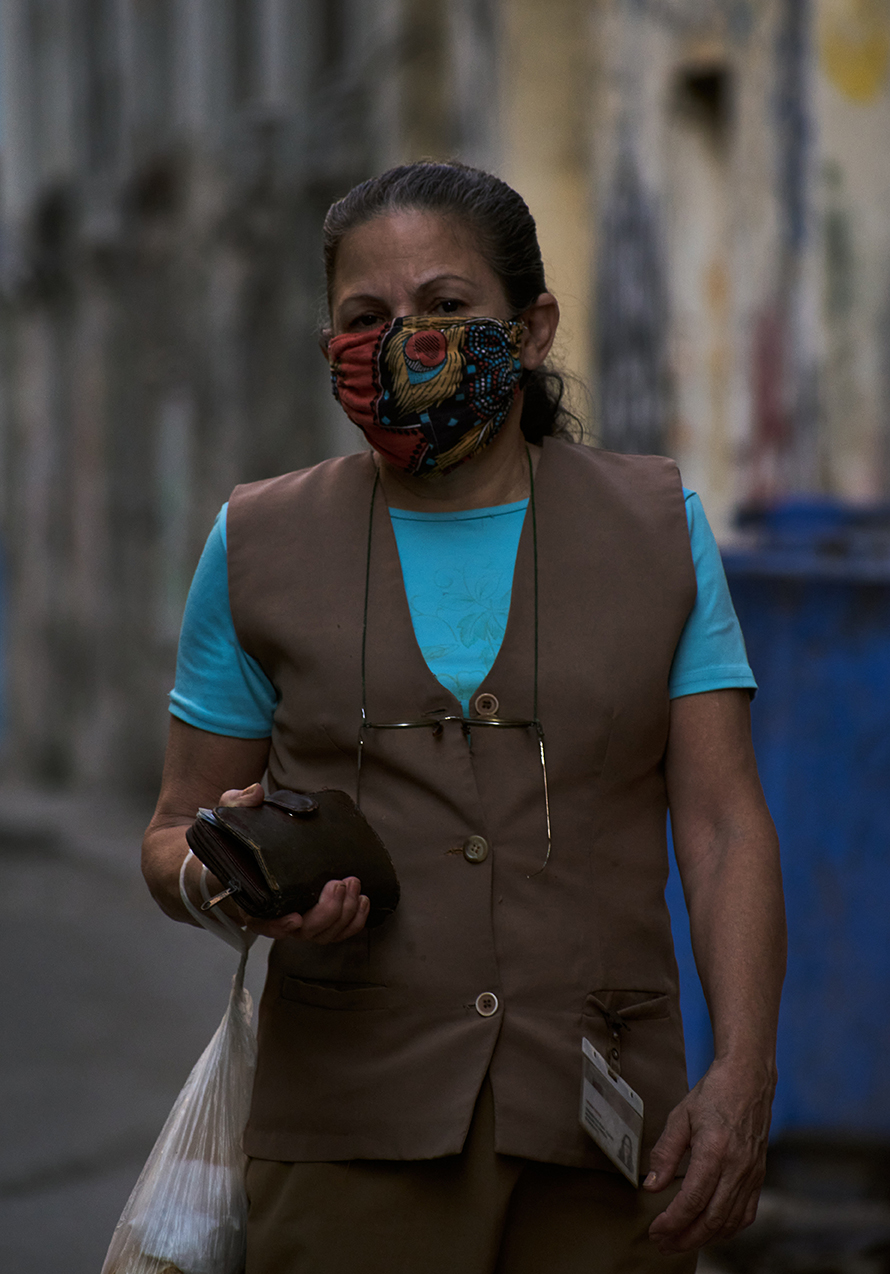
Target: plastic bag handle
[(217, 923)]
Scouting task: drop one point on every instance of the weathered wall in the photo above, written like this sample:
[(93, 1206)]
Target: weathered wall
[(688, 200), (710, 180), (163, 185), (164, 172), (851, 175), (740, 177), (549, 103)]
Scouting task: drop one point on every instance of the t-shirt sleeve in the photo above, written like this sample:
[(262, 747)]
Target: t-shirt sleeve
[(710, 654), (219, 687)]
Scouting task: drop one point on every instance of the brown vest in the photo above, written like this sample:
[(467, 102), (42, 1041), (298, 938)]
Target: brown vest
[(375, 1048)]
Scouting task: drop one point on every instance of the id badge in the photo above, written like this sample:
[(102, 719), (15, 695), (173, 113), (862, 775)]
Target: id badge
[(611, 1112)]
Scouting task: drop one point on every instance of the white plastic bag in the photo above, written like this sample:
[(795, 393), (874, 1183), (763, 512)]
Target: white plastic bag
[(188, 1210)]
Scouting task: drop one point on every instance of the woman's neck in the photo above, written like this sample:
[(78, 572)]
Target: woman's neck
[(497, 475)]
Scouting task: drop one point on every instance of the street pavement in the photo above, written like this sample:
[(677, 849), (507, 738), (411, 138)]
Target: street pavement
[(106, 1006)]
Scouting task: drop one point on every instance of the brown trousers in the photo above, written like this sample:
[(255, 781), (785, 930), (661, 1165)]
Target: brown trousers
[(473, 1213)]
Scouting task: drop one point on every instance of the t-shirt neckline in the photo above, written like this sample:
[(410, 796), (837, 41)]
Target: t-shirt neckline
[(458, 515)]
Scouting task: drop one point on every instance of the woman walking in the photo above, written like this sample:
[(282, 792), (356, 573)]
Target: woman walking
[(526, 651)]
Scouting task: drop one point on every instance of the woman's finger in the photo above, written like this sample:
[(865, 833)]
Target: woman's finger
[(744, 1207), (351, 920), (334, 913), (252, 795), (283, 927), (361, 916), (341, 912)]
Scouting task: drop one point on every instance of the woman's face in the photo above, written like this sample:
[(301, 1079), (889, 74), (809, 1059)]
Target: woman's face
[(412, 263)]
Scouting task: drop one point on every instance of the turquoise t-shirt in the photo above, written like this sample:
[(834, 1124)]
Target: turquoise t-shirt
[(458, 573)]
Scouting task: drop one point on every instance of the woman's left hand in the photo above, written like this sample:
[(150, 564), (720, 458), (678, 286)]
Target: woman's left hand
[(725, 1121), (728, 856)]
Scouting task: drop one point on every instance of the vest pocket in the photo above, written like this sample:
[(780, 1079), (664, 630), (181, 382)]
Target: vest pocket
[(609, 1015), (630, 1006), (351, 996)]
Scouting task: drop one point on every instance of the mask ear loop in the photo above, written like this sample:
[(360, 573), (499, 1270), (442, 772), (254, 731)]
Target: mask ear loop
[(526, 374)]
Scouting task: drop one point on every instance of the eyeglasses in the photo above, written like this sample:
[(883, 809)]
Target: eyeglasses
[(436, 723)]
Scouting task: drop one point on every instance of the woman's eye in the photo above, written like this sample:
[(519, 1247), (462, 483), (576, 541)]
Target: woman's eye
[(365, 321), (450, 305)]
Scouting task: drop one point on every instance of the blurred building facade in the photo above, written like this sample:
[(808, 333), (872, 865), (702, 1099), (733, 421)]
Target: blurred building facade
[(709, 179), (165, 168)]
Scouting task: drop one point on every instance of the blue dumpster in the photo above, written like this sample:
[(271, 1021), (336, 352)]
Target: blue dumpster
[(813, 596)]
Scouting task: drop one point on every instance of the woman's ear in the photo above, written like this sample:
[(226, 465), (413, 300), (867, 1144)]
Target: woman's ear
[(324, 340), (541, 321)]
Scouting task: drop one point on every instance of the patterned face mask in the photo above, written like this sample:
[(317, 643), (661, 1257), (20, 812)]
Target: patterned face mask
[(428, 393)]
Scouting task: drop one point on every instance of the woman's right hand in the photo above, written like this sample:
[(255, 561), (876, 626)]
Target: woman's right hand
[(197, 767), (340, 913), (341, 910)]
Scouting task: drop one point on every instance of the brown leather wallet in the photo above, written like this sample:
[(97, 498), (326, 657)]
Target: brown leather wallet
[(277, 857)]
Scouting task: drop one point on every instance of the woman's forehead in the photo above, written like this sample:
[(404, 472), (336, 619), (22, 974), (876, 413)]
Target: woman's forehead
[(412, 242)]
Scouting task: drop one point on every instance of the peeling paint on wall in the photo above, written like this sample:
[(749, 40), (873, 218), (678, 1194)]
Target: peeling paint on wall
[(854, 46), (837, 238), (784, 433), (698, 146), (631, 319), (771, 434), (791, 117), (733, 17), (883, 448)]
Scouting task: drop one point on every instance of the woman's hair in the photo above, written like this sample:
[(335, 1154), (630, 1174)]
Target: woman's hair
[(505, 235)]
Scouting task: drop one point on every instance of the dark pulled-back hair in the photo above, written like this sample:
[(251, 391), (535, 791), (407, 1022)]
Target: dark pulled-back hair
[(506, 238)]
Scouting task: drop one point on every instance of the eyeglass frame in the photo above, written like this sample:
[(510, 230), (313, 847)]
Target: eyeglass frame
[(435, 722)]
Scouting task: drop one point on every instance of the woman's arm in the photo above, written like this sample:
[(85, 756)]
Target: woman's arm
[(728, 855), (204, 769)]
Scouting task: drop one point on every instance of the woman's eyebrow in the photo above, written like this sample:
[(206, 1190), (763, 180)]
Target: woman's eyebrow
[(360, 298), (436, 280), (444, 278)]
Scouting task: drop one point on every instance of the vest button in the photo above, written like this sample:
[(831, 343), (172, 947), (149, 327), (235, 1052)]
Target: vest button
[(475, 849), (486, 705), (486, 1004)]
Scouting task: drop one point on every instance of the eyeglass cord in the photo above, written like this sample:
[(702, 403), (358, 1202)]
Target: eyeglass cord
[(467, 723)]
